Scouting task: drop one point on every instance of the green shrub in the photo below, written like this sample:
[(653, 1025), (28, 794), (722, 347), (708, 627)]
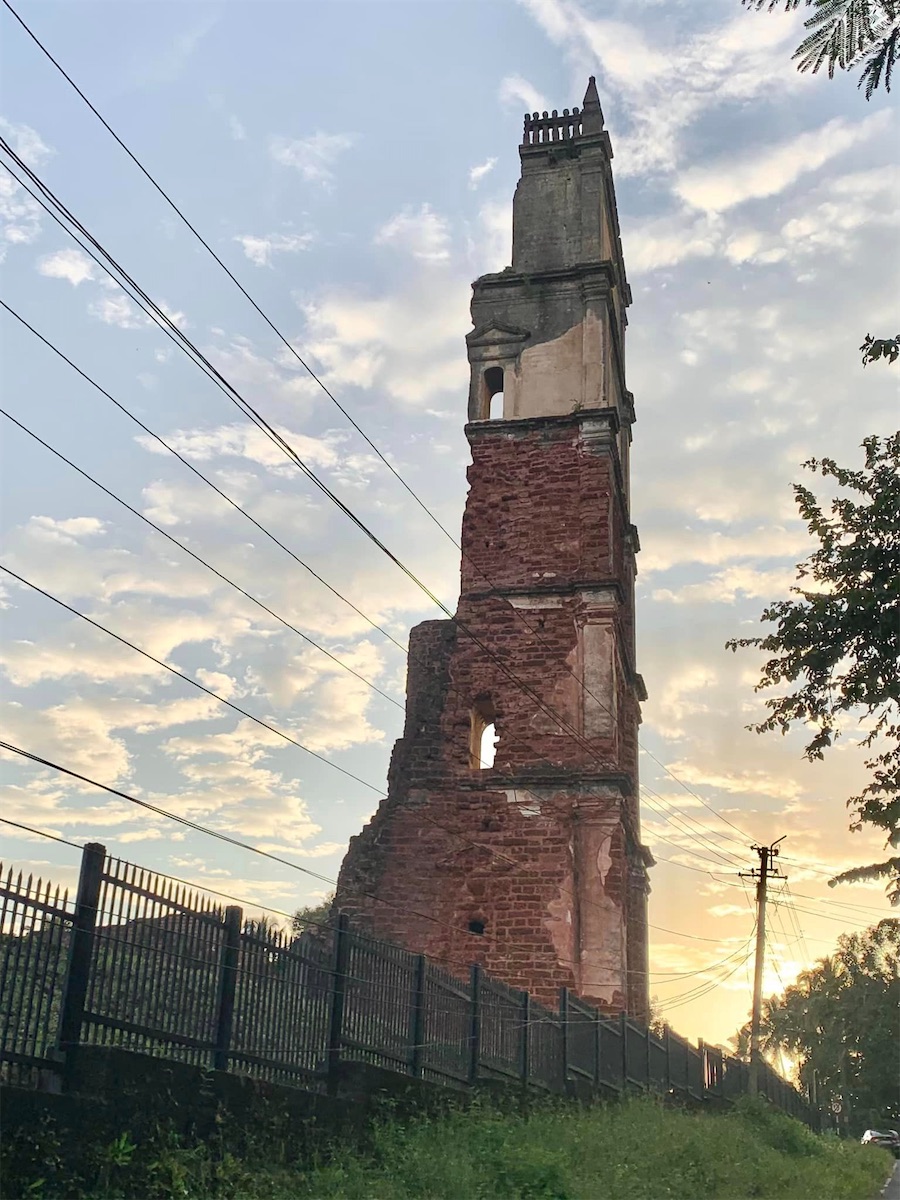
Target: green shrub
[(640, 1150)]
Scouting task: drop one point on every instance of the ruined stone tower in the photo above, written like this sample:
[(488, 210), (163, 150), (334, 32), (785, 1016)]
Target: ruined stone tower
[(532, 864)]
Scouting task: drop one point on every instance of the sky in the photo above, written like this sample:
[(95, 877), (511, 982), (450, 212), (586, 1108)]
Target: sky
[(354, 164)]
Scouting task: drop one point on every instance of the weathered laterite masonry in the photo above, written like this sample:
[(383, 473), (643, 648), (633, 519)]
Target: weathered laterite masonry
[(533, 865)]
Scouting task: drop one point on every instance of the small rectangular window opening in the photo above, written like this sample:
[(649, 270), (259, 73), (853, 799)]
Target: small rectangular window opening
[(477, 927), (492, 396)]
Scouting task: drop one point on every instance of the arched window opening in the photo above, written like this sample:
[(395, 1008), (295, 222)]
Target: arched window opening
[(482, 735), (493, 393), (488, 751), (477, 927)]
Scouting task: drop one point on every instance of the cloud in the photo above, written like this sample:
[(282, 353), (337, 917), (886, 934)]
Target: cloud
[(178, 319), (20, 215), (729, 182), (243, 440), (314, 157), (714, 546), (71, 265), (333, 702), (27, 142), (515, 91), (423, 234), (69, 529), (665, 85), (730, 585), (262, 378), (117, 310), (665, 241), (165, 66), (831, 219), (476, 174), (236, 128), (747, 782), (365, 341), (260, 248)]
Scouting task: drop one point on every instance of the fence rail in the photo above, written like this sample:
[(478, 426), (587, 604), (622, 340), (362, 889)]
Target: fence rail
[(142, 963)]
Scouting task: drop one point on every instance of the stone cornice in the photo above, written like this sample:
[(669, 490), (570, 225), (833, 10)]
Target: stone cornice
[(518, 425), (549, 589), (550, 780), (604, 270)]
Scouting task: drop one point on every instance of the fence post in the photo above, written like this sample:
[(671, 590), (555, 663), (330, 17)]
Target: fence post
[(598, 1051), (564, 1032), (647, 1045), (81, 947), (668, 1036), (417, 1024), (231, 952), (623, 1029), (475, 1027), (701, 1046), (338, 993), (526, 1038)]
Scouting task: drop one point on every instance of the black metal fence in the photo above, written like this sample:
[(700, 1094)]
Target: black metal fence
[(143, 963)]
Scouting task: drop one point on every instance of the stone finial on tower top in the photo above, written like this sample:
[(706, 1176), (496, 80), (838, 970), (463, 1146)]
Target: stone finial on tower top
[(591, 112), (544, 129)]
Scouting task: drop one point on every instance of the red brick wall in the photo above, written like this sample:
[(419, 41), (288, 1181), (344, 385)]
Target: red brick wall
[(452, 844)]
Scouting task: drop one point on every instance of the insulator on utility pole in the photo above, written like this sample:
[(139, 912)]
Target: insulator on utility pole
[(761, 874)]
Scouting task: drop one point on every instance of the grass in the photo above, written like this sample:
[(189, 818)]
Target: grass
[(634, 1151)]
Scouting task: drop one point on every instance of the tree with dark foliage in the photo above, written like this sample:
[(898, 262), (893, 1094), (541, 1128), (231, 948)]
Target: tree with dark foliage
[(835, 648), (838, 1024), (846, 34)]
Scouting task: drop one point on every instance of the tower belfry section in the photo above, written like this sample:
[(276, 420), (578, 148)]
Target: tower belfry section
[(510, 835)]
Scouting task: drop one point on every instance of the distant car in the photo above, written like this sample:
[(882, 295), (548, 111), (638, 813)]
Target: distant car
[(887, 1138)]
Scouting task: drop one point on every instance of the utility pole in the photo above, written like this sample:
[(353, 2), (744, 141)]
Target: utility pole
[(762, 874)]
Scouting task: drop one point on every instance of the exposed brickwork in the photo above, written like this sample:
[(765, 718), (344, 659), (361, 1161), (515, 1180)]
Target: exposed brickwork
[(541, 851)]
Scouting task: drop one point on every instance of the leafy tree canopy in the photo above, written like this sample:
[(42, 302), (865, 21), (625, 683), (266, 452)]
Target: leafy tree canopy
[(312, 916), (839, 1020), (847, 34), (836, 646), (875, 348)]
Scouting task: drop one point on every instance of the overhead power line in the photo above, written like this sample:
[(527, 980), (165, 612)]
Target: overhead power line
[(187, 678), (202, 561), (41, 833), (698, 834), (291, 348), (177, 335), (703, 989), (213, 833), (688, 817), (76, 612), (184, 343), (224, 837), (200, 887), (199, 474)]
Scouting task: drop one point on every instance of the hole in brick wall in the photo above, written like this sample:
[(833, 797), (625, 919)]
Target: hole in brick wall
[(482, 735), (476, 927), (488, 750)]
